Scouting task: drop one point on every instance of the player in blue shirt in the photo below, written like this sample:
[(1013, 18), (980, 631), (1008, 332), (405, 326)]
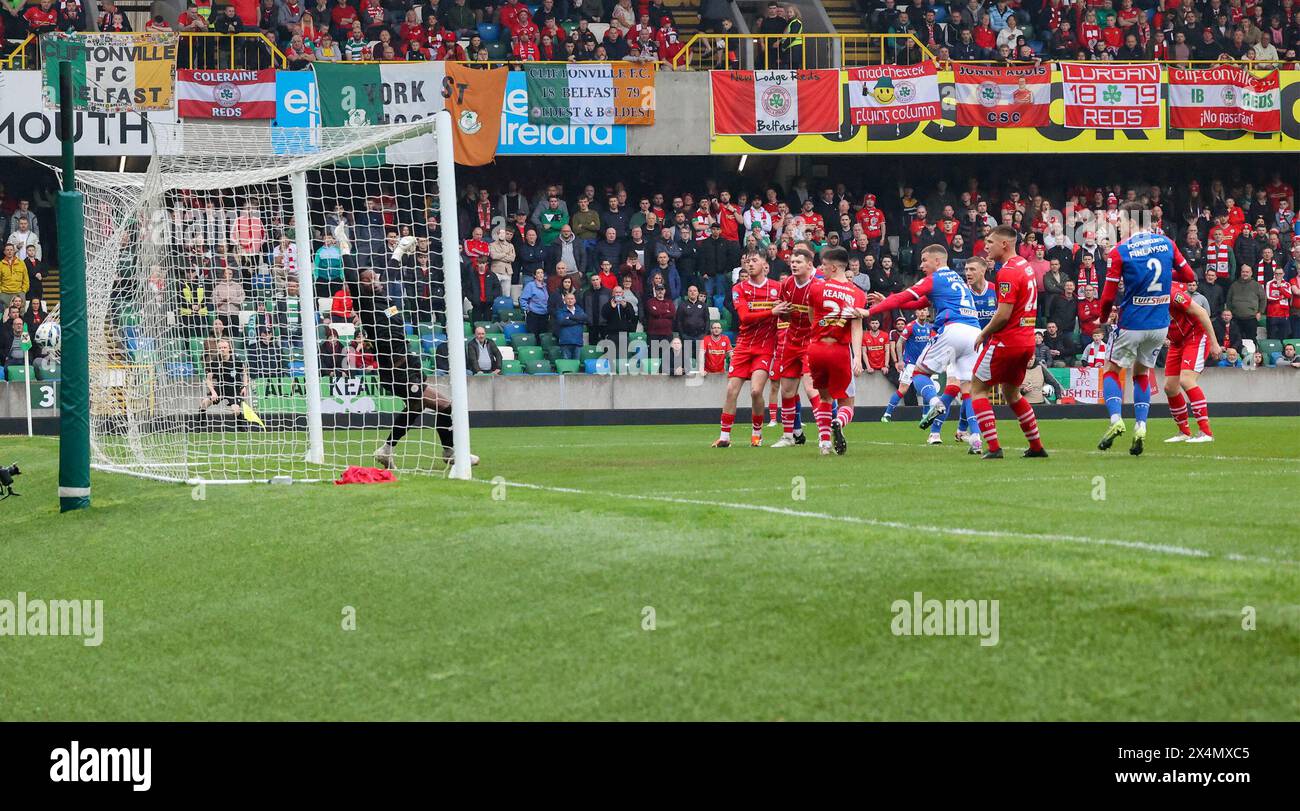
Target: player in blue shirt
[(986, 304), (956, 327), (1147, 264), (913, 338)]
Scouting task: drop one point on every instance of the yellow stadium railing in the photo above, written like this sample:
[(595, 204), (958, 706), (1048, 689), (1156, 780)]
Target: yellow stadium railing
[(807, 51), (23, 56), (212, 51)]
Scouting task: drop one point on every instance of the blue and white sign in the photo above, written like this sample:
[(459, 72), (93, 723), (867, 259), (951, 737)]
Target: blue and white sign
[(518, 137), (297, 113)]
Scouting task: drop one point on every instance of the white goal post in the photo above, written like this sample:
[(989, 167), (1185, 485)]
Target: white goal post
[(272, 304)]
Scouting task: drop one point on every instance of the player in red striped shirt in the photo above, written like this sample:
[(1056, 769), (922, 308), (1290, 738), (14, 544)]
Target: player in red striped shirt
[(758, 303), (1191, 339), (1007, 345), (835, 353), (794, 331)]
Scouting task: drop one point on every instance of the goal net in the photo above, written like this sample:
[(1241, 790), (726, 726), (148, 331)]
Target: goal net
[(276, 304)]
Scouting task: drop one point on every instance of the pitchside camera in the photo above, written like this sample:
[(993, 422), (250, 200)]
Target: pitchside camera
[(7, 480)]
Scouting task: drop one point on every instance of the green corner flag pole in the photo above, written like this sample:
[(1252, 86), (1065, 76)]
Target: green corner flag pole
[(74, 388)]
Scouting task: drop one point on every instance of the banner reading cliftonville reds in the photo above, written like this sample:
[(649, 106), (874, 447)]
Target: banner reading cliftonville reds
[(893, 94), (1225, 98), (775, 102), (1111, 97), (235, 94), (1003, 96), (112, 72), (591, 93)]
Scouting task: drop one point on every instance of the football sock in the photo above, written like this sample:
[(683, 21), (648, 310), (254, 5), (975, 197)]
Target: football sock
[(1178, 410), (1141, 398), (401, 424), (823, 415), (444, 436), (845, 415), (968, 421), (756, 421), (1028, 422), (771, 411), (893, 401), (798, 417), (1200, 410), (925, 388), (727, 421), (1113, 391), (789, 406), (950, 393), (987, 422)]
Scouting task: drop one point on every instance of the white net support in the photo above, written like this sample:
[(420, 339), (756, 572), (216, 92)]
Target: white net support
[(274, 304)]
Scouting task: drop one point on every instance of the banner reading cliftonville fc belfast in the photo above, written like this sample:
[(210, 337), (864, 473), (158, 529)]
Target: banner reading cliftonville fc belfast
[(894, 94), (1003, 96), (775, 102), (591, 93), (1225, 98), (1111, 97), (112, 72), (237, 94)]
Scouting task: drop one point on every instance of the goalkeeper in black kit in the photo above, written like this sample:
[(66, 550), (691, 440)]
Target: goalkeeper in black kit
[(399, 371)]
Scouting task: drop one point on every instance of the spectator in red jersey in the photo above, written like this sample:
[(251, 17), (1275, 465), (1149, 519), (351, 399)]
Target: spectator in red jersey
[(716, 348), (1277, 313), (1096, 353), (526, 48), (1089, 310), (42, 18), (107, 10)]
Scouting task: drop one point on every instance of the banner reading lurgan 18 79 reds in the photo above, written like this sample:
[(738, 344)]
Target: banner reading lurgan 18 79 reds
[(112, 72), (1111, 97)]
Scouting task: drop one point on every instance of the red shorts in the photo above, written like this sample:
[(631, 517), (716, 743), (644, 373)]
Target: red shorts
[(791, 362), (1187, 356), (999, 363), (831, 367), (745, 360)]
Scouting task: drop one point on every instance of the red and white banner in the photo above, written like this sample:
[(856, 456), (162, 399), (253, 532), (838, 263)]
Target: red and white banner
[(242, 94), (894, 94), (1226, 98), (1003, 97), (1111, 97), (775, 102)]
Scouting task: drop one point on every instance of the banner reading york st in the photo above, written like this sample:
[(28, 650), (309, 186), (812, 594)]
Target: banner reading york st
[(894, 94), (1226, 98), (1111, 97), (591, 93), (112, 72)]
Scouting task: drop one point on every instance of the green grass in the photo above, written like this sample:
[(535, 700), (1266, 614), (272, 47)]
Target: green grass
[(470, 606)]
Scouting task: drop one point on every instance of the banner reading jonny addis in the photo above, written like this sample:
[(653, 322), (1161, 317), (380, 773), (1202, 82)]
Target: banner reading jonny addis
[(112, 72)]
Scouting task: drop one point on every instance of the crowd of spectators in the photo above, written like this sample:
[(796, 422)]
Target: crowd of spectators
[(1026, 31)]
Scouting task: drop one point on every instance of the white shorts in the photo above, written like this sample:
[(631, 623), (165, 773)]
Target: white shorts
[(905, 377), (1137, 346), (954, 350)]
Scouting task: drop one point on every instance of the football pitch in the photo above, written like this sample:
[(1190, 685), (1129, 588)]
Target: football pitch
[(635, 573)]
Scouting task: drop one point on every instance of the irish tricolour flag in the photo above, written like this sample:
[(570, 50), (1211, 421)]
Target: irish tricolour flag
[(775, 102), (591, 93)]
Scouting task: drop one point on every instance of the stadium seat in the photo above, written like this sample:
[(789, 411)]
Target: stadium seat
[(508, 353), (511, 329), (2, 373), (1270, 346), (15, 374), (511, 367), (591, 352), (521, 338), (502, 303), (546, 339), (553, 353), (596, 366), (567, 367), (487, 325), (497, 51), (540, 367), (530, 354), (941, 14), (489, 32), (498, 338), (515, 314)]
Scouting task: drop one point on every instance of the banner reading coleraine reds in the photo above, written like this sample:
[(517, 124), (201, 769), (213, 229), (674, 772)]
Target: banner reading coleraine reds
[(1111, 97), (1226, 98), (894, 94), (241, 94), (1003, 97)]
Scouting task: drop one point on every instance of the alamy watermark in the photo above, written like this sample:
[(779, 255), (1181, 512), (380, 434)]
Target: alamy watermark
[(31, 617), (922, 617)]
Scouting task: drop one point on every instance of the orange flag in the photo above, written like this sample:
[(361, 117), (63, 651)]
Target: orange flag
[(474, 97)]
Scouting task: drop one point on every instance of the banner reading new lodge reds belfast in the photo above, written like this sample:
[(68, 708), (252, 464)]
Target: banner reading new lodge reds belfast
[(945, 137)]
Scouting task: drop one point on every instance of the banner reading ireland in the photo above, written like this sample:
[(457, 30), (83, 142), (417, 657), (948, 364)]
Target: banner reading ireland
[(591, 93), (112, 72)]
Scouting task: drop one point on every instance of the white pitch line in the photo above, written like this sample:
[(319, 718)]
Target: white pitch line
[(1164, 549)]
